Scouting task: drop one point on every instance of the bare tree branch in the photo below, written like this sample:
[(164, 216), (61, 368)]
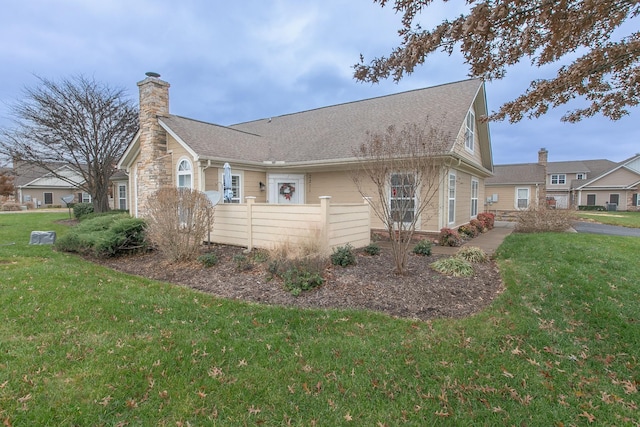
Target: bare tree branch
[(406, 168), (79, 122)]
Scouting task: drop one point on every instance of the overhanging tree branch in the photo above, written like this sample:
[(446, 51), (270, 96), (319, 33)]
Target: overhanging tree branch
[(496, 34)]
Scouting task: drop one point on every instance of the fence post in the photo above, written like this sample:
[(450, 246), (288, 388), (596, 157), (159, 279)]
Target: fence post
[(250, 201), (325, 202)]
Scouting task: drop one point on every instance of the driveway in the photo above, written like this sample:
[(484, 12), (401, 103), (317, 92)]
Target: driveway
[(612, 230)]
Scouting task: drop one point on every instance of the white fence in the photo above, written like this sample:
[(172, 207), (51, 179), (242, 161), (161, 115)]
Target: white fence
[(265, 226)]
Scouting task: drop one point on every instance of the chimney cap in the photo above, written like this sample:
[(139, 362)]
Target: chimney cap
[(152, 74)]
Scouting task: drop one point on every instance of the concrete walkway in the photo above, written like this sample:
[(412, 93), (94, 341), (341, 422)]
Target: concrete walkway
[(488, 241)]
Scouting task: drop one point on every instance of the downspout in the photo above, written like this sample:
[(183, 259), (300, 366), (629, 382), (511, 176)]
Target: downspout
[(202, 180)]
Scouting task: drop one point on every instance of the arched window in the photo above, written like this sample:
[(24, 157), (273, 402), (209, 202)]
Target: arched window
[(185, 175)]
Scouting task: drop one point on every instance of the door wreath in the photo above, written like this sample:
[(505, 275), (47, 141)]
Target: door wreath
[(287, 190)]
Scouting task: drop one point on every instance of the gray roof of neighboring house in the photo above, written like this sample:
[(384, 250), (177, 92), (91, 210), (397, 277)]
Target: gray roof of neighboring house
[(591, 167), (522, 173), (527, 173), (328, 133)]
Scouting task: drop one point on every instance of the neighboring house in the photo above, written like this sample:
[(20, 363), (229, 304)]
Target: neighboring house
[(297, 158), (616, 188), (517, 186), (565, 185), (119, 183), (37, 187)]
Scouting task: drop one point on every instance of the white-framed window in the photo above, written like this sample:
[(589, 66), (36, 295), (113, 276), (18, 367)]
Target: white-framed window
[(86, 197), (122, 196), (452, 197), (474, 197), (402, 197), (48, 198), (236, 187), (581, 176), (469, 131), (185, 174), (522, 198), (558, 178)]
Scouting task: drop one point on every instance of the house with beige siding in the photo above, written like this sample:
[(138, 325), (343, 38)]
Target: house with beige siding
[(616, 188), (36, 187), (305, 158), (564, 185)]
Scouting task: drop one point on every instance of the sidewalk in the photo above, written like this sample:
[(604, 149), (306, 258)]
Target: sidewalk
[(488, 241)]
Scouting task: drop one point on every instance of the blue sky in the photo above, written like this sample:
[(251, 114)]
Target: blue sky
[(229, 62)]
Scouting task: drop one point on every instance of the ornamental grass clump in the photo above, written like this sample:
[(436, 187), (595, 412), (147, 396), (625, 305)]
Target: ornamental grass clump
[(472, 254), (453, 266)]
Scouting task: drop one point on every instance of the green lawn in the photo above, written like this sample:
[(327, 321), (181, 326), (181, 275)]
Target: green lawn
[(625, 219), (83, 345)]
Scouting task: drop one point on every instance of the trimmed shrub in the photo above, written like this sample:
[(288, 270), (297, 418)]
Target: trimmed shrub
[(108, 235), (97, 214), (591, 208), (82, 209), (449, 237), (343, 256), (10, 206), (123, 235), (453, 266), (423, 247), (372, 249), (542, 219), (479, 225), (472, 254), (487, 218), (468, 231), (208, 260)]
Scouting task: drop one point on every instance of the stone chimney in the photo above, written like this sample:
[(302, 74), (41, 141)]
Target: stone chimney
[(543, 156), (154, 163)]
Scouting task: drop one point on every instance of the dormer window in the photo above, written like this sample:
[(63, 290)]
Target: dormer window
[(581, 176), (469, 131)]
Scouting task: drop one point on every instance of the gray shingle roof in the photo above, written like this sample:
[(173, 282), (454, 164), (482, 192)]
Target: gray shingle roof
[(214, 141), (329, 133), (523, 173), (591, 167)]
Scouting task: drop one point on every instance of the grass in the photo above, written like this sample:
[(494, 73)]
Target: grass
[(625, 219), (83, 345)]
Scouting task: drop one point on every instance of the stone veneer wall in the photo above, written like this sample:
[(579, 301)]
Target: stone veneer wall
[(154, 163)]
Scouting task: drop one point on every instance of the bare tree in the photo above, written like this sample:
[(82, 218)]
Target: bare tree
[(78, 122), (6, 183), (496, 34), (407, 167)]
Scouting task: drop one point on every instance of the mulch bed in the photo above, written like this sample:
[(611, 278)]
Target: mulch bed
[(370, 284)]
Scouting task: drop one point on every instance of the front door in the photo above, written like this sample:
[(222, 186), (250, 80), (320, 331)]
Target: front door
[(286, 188)]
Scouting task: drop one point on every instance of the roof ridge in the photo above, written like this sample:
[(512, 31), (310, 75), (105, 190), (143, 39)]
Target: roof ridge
[(360, 100)]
